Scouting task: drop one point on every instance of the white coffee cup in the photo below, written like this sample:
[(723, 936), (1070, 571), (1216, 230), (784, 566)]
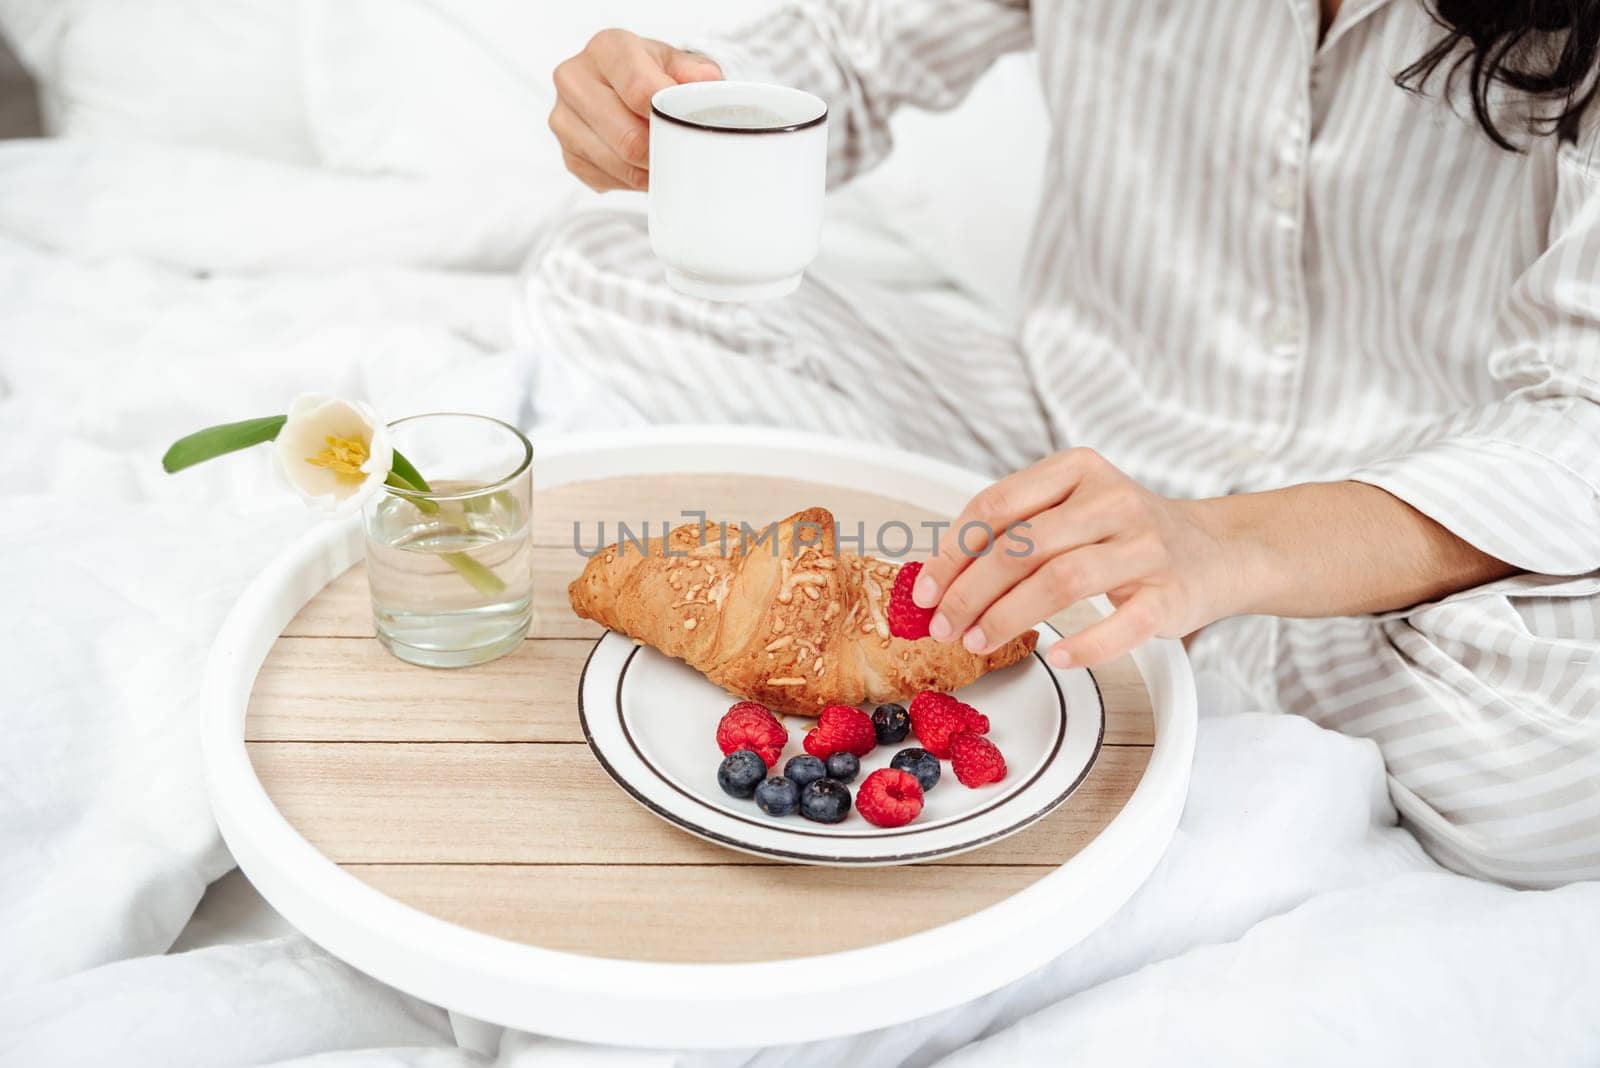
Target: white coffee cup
[(737, 175)]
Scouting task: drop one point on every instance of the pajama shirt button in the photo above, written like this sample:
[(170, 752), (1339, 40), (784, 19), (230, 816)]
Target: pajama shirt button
[(1285, 331), (1283, 193)]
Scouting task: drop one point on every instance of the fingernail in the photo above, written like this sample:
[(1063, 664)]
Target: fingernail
[(940, 629), (975, 641), (1059, 657), (925, 594)]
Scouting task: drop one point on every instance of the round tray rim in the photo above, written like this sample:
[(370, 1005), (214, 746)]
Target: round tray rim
[(584, 998)]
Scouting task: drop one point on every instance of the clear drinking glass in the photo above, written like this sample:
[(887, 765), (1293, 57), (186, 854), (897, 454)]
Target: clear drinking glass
[(451, 570)]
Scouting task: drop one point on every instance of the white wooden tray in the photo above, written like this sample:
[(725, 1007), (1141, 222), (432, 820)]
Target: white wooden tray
[(449, 833)]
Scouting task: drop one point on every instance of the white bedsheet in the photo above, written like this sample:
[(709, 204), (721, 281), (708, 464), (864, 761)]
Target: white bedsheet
[(1291, 921)]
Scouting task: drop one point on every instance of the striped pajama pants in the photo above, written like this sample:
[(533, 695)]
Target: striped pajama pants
[(1486, 705)]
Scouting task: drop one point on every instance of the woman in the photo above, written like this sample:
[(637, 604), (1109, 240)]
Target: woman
[(1320, 288)]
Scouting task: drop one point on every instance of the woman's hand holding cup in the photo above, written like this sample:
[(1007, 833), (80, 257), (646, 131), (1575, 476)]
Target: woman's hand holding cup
[(602, 111)]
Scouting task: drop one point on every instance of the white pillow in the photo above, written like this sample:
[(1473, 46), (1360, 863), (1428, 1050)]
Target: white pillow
[(203, 73), (201, 210), (414, 87)]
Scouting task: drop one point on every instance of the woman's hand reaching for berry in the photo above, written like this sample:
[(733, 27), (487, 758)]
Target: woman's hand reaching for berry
[(1073, 526), (1069, 527)]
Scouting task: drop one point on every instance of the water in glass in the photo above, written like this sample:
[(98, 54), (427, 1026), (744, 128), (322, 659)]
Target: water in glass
[(450, 585)]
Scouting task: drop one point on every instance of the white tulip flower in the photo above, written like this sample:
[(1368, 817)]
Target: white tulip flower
[(334, 453)]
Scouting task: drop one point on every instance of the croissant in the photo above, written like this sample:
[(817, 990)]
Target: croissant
[(782, 617)]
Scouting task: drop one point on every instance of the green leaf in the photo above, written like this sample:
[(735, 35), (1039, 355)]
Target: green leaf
[(478, 576), (401, 482), (411, 492), (216, 441), (402, 467)]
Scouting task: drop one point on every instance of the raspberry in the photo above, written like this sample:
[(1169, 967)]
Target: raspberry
[(934, 728), (936, 716), (841, 729), (748, 725), (889, 798), (906, 620), (753, 706), (975, 760)]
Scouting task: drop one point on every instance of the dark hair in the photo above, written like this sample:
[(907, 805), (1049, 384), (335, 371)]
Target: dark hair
[(1548, 49)]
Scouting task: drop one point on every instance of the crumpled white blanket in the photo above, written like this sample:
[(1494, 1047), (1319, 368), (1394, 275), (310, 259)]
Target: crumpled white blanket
[(1291, 922)]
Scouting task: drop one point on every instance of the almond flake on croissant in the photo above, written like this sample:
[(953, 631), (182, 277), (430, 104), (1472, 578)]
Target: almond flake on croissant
[(788, 621)]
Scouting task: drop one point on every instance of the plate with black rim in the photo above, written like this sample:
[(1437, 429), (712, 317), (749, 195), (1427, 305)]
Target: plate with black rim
[(652, 721)]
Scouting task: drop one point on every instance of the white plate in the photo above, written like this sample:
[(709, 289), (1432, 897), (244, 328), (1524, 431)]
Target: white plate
[(652, 723)]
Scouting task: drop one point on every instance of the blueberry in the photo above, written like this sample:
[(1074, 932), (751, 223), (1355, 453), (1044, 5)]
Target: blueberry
[(825, 801), (804, 770), (892, 722), (740, 771), (919, 762), (778, 796), (844, 767)]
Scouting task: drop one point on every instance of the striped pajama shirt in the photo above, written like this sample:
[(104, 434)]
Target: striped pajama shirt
[(1258, 262)]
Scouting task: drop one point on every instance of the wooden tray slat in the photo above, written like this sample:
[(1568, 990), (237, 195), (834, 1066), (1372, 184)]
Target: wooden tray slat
[(320, 689), (554, 804)]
